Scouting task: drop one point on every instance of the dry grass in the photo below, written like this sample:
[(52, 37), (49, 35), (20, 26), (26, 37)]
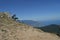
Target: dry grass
[(12, 30)]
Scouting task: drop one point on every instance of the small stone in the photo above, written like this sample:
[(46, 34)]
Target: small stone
[(1, 16)]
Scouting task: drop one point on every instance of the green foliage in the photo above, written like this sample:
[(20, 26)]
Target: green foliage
[(53, 28), (14, 17)]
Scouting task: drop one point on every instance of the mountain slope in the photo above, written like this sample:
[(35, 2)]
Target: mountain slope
[(53, 28), (12, 30)]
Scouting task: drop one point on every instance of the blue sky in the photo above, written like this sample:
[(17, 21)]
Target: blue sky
[(32, 9)]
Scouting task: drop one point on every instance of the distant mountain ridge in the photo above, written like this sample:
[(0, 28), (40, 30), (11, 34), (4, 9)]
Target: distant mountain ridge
[(40, 23), (51, 22), (53, 28), (31, 22), (47, 26)]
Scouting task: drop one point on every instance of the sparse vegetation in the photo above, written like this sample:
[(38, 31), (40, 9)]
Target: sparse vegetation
[(53, 28), (14, 17), (12, 30)]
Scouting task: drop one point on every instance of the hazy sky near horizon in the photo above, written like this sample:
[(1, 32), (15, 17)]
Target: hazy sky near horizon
[(32, 9)]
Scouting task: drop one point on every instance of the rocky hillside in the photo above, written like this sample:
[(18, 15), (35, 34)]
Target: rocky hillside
[(12, 30), (53, 28)]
